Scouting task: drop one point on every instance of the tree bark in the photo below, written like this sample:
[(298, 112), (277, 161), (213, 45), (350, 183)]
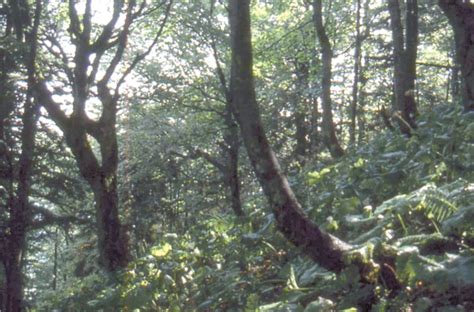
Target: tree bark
[(355, 84), (231, 136), (314, 131), (55, 261), (2, 287), (362, 78), (291, 220), (404, 53), (231, 139), (100, 175), (14, 277), (461, 17), (329, 131), (20, 214), (229, 166), (301, 133)]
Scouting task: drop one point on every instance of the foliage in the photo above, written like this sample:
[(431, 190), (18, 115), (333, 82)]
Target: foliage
[(408, 199), (226, 264)]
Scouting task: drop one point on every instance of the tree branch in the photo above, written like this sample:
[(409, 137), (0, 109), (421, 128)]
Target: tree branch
[(45, 217), (54, 111), (143, 55), (212, 160), (122, 43), (74, 19), (108, 29)]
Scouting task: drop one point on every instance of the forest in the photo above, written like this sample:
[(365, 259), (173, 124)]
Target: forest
[(236, 155)]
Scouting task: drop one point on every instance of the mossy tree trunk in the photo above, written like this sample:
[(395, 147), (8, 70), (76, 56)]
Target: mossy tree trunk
[(322, 247)]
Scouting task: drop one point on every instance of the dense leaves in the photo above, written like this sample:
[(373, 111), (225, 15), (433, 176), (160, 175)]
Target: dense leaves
[(420, 216), (403, 202)]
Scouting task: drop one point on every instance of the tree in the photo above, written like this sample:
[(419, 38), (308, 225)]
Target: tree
[(329, 131), (357, 64), (79, 128), (324, 248), (404, 58), (299, 116), (461, 17), (231, 146), (19, 185)]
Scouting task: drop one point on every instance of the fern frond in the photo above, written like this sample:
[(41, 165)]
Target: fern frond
[(438, 205)]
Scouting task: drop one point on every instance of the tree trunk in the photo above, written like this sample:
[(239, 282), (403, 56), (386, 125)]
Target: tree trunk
[(20, 214), (230, 169), (355, 84), (461, 17), (404, 52), (314, 133), (291, 220), (231, 139), (14, 278), (234, 183), (229, 166), (362, 77), (54, 286), (302, 78), (101, 177), (7, 101), (100, 174), (329, 131), (113, 244), (2, 283)]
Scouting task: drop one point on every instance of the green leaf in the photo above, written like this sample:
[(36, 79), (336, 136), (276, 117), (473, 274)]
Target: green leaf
[(292, 284), (320, 305), (161, 251), (280, 307)]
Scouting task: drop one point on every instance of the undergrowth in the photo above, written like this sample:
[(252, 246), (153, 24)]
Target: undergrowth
[(409, 197)]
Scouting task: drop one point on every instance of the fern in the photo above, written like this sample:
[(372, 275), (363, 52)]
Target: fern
[(437, 205)]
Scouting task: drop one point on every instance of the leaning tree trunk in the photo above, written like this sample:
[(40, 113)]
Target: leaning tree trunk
[(322, 247), (329, 131), (461, 17), (325, 249)]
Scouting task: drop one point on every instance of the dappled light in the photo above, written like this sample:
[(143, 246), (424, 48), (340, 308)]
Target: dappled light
[(236, 155)]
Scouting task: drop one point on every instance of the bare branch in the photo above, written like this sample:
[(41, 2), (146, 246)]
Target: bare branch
[(107, 31), (209, 96), (202, 109), (212, 160), (86, 22), (95, 66), (220, 72), (122, 43), (446, 66), (142, 56), (61, 55), (74, 25), (45, 99)]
